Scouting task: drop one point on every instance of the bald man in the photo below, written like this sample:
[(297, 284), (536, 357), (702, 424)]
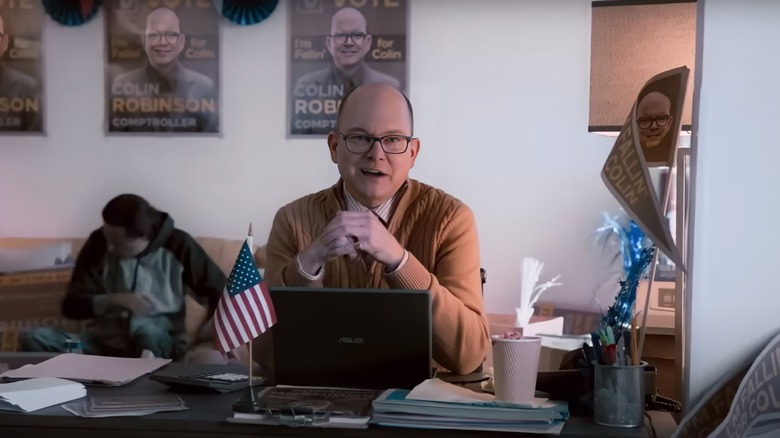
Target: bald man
[(348, 44), (377, 228), (16, 86), (164, 76), (654, 120)]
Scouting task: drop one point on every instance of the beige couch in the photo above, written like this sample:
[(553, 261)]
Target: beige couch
[(222, 251)]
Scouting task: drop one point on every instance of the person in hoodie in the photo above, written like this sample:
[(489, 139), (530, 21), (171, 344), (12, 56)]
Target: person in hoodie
[(130, 281)]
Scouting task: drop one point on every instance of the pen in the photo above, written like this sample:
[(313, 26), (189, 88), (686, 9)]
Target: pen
[(628, 342), (597, 347), (588, 351), (603, 339), (610, 335), (621, 351), (610, 355)]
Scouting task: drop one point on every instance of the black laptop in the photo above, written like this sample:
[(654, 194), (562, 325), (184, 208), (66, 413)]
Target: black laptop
[(356, 338)]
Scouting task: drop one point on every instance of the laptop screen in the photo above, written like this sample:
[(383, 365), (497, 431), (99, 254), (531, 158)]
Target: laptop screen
[(358, 338)]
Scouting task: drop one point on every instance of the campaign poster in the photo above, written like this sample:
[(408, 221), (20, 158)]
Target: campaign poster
[(162, 69), (648, 139), (658, 114), (337, 45), (21, 67)]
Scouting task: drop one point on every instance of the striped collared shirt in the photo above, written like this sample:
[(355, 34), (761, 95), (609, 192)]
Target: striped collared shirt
[(383, 210)]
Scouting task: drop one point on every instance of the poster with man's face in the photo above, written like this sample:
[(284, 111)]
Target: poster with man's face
[(162, 72), (657, 114), (21, 67), (648, 139), (335, 46)]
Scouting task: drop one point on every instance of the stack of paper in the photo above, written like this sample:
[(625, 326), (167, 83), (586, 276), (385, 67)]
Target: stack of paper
[(31, 395), (123, 406), (92, 370), (435, 404)]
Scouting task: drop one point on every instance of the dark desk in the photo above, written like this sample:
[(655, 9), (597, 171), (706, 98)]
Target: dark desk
[(207, 413)]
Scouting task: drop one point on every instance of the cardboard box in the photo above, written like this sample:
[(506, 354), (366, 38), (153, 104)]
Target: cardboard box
[(659, 350), (661, 306), (32, 299), (500, 323)]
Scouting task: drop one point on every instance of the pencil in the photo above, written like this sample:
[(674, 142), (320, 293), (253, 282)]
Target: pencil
[(634, 339)]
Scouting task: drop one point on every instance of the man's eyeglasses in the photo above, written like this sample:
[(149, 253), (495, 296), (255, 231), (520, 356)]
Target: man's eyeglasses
[(171, 37), (646, 122), (362, 143), (341, 38)]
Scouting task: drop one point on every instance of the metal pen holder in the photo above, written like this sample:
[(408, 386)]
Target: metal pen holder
[(619, 395)]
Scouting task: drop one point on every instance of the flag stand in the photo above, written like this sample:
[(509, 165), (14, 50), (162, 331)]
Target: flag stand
[(250, 363), (249, 404)]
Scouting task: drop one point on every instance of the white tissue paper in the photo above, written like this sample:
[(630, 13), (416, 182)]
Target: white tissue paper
[(530, 291)]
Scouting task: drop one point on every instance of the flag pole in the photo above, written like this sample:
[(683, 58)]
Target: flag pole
[(248, 404), (249, 240), (252, 318), (250, 243)]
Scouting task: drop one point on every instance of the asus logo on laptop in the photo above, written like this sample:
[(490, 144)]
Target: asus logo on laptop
[(350, 340)]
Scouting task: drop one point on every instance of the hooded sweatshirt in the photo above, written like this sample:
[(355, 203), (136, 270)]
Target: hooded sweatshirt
[(172, 265)]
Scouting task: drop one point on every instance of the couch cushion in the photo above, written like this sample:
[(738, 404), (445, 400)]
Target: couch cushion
[(222, 251), (196, 316), (31, 242), (35, 257)]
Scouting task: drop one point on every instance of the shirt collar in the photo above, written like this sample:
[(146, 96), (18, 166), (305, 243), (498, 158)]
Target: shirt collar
[(383, 210)]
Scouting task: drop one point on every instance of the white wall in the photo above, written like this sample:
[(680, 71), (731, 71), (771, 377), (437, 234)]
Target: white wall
[(735, 299), (500, 89)]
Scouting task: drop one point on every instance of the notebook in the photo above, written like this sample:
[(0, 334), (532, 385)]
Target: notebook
[(354, 338)]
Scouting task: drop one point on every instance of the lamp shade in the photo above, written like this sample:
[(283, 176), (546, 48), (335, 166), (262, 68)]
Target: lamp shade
[(632, 41)]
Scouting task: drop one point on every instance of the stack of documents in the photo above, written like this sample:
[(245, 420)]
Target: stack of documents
[(435, 404), (31, 395), (89, 369), (123, 406)]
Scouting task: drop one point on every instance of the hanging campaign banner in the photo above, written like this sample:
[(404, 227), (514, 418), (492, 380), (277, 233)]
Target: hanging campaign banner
[(649, 136), (743, 403), (162, 71), (21, 67), (335, 46)]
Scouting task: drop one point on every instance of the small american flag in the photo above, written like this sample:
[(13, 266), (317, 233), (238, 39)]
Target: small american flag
[(245, 309)]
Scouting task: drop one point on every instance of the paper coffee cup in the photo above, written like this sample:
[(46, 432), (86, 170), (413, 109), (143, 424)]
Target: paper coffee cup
[(515, 365)]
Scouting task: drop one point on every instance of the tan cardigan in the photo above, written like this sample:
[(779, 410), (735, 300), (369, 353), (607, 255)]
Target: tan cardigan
[(440, 234)]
